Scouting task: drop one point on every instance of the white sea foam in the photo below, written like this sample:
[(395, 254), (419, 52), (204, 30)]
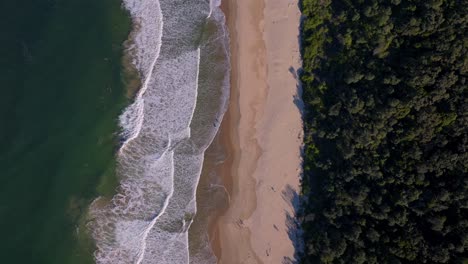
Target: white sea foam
[(147, 15), (180, 50)]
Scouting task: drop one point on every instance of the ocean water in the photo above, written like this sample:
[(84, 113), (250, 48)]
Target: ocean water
[(62, 91), (180, 49)]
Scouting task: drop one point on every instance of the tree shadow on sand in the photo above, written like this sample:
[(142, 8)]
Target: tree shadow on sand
[(293, 225), (289, 194), (297, 98)]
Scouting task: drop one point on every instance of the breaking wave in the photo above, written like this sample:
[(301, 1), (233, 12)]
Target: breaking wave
[(180, 49)]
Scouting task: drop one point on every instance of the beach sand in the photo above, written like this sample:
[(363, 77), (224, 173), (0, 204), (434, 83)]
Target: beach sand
[(262, 134)]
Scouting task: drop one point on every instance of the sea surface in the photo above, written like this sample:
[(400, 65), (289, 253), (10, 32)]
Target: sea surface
[(107, 108), (62, 91)]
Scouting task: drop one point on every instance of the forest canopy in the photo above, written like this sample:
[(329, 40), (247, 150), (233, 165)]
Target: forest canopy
[(385, 155)]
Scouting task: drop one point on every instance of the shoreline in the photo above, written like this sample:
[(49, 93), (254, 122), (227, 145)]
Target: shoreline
[(261, 133), (228, 137)]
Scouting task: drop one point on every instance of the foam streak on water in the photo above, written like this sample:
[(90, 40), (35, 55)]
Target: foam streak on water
[(181, 52)]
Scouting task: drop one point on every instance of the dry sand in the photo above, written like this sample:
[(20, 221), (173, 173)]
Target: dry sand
[(262, 133)]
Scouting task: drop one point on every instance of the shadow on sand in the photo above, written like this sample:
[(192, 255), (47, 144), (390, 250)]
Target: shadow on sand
[(294, 229), (289, 194)]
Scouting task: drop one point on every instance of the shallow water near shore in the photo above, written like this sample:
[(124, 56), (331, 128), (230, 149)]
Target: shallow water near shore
[(212, 199), (180, 50)]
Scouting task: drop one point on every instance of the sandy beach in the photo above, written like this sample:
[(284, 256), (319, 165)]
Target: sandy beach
[(262, 134)]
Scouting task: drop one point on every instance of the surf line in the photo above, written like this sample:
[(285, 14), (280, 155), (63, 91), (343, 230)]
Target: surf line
[(171, 193), (139, 103), (163, 210)]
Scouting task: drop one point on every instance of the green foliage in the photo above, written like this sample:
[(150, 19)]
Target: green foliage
[(385, 160)]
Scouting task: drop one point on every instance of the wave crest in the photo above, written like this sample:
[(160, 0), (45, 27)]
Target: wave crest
[(181, 52)]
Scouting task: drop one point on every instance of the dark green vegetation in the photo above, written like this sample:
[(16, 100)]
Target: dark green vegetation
[(61, 94), (385, 173)]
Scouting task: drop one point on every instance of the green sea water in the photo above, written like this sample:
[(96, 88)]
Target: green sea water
[(62, 90)]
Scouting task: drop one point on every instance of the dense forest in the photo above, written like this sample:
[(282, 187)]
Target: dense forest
[(386, 121)]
